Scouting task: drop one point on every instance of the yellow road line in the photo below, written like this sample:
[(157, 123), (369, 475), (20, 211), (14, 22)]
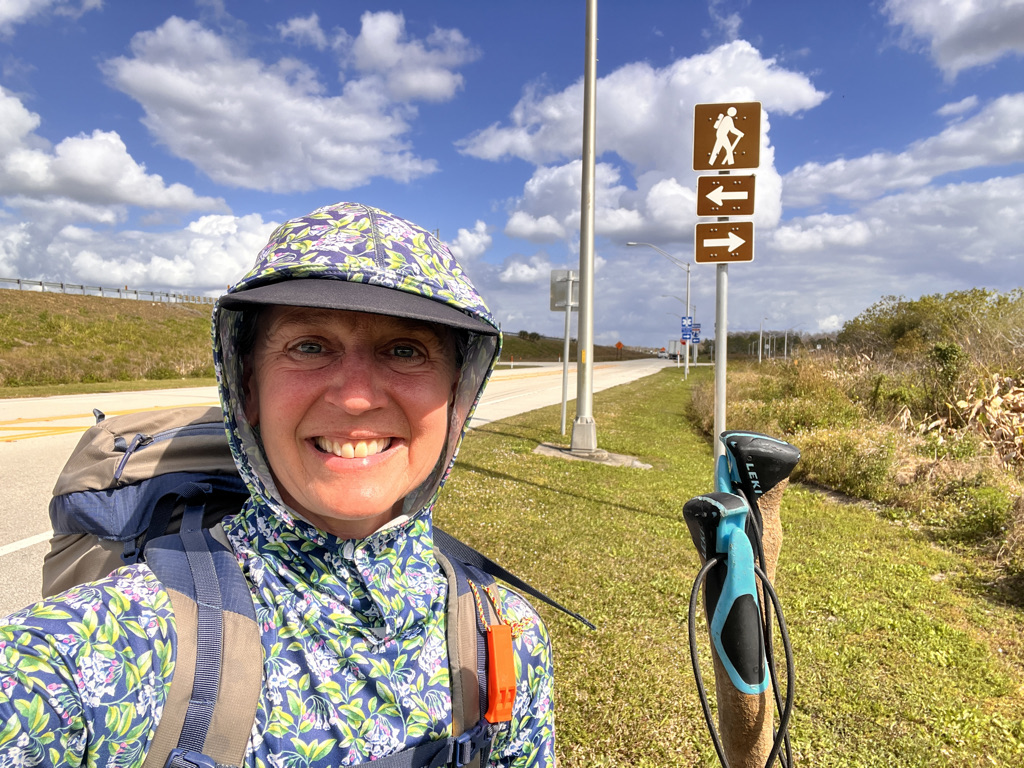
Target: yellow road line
[(27, 428)]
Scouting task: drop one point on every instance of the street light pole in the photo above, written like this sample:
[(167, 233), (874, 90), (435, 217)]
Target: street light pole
[(682, 265), (584, 428)]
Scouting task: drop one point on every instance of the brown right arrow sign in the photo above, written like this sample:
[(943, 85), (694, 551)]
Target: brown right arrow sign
[(724, 242)]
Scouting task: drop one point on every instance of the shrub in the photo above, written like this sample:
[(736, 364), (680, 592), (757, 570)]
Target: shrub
[(858, 463)]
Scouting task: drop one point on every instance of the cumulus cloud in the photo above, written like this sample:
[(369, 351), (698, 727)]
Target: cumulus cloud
[(411, 69), (91, 169), (646, 112), (538, 229), (958, 108), (727, 23), (644, 182), (824, 269), (470, 245), (14, 12), (304, 31), (962, 33), (519, 269), (990, 138), (274, 126), (207, 255)]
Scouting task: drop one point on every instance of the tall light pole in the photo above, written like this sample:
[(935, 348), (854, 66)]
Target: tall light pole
[(682, 265), (584, 428)]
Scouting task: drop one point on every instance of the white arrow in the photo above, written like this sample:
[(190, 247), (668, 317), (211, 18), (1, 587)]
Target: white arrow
[(733, 241), (718, 195)]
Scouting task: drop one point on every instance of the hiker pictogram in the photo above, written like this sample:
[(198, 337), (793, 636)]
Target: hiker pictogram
[(725, 129), (726, 136)]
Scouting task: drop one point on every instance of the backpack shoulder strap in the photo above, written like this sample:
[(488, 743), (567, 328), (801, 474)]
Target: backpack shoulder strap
[(467, 662), (218, 673)]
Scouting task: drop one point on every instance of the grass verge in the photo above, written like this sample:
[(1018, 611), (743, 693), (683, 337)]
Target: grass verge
[(903, 655), (51, 390)]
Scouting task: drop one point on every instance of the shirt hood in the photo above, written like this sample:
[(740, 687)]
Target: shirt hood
[(357, 244)]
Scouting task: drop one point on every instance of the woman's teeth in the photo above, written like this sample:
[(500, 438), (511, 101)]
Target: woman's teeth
[(357, 450)]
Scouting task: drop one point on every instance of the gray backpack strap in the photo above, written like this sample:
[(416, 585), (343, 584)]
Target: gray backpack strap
[(467, 660), (462, 651), (218, 673)]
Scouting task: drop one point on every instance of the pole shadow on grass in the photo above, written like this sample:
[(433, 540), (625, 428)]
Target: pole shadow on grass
[(465, 466)]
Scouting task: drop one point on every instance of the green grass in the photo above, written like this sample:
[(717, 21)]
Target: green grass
[(49, 339), (50, 390), (905, 656)]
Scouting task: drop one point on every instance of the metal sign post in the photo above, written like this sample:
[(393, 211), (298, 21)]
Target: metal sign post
[(568, 298), (726, 137), (684, 337)]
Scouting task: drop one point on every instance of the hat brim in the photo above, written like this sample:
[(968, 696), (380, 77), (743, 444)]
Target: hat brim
[(325, 293)]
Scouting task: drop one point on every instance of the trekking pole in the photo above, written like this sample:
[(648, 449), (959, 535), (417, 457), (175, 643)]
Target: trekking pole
[(738, 535)]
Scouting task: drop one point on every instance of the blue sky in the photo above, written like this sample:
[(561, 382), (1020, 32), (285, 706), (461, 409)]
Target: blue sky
[(156, 145)]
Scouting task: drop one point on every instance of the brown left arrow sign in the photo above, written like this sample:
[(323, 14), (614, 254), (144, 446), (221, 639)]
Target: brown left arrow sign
[(725, 195)]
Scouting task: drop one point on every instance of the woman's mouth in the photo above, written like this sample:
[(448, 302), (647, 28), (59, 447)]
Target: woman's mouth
[(352, 449)]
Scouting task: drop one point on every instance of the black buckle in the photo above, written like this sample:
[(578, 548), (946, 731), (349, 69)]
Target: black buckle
[(186, 758), (471, 742)]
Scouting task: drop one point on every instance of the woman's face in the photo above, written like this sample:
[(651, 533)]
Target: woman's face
[(352, 410)]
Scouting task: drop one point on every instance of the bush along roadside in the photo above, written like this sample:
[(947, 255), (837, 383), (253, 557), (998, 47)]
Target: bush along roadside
[(958, 477)]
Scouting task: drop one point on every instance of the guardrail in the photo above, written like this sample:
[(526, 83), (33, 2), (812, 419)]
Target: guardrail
[(98, 290)]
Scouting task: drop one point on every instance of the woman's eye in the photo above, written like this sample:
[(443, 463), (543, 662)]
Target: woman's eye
[(404, 351), (309, 348)]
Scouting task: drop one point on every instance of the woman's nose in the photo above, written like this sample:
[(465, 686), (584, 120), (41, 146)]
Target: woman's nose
[(356, 384)]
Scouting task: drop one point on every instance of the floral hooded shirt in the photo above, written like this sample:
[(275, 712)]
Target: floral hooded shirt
[(353, 631)]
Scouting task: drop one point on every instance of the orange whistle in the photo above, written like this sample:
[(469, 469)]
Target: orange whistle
[(501, 674)]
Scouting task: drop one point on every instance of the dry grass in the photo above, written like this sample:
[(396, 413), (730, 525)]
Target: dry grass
[(963, 483)]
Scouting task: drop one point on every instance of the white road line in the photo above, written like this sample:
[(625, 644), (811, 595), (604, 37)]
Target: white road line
[(31, 541)]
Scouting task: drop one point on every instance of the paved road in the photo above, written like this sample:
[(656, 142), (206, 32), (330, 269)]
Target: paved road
[(38, 434)]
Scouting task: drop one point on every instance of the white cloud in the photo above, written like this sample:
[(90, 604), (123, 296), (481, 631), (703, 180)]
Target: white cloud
[(646, 124), (830, 323), (246, 123), (206, 256), (412, 69), (957, 108), (517, 269), (992, 137), (304, 31), (536, 229), (13, 12), (825, 231), (469, 245), (93, 170), (17, 124), (827, 268), (728, 24), (962, 33), (646, 114)]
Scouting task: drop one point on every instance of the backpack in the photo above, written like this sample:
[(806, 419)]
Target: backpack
[(154, 486)]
